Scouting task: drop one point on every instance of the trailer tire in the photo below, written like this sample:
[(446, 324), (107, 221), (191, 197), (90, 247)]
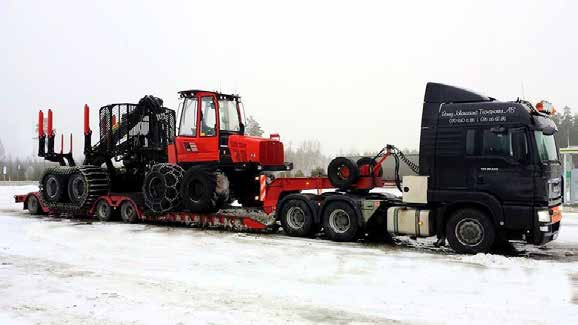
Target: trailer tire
[(33, 205), (470, 231), (199, 190), (342, 172), (297, 218), (103, 210), (340, 221), (128, 212)]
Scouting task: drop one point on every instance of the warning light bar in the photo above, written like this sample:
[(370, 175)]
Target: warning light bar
[(545, 107)]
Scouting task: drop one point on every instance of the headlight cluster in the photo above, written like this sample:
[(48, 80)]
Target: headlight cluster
[(544, 216)]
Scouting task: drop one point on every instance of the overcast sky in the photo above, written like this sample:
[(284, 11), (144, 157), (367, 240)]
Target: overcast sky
[(350, 74)]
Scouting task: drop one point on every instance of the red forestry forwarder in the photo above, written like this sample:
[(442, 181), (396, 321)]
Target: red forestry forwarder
[(141, 169)]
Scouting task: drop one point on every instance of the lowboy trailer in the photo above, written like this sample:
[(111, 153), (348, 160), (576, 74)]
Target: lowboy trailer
[(489, 172)]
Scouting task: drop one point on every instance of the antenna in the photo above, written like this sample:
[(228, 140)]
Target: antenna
[(523, 96)]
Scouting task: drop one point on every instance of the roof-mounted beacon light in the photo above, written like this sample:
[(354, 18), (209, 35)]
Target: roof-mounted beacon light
[(545, 107)]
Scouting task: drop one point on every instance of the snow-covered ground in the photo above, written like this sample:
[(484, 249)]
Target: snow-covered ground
[(66, 271)]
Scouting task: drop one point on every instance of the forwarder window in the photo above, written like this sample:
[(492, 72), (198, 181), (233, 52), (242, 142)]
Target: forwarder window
[(189, 118), (497, 144)]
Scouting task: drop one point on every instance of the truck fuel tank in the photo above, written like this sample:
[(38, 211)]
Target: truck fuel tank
[(410, 221)]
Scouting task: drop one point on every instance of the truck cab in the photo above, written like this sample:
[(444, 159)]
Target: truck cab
[(497, 157)]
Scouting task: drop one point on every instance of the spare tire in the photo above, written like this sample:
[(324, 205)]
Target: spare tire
[(161, 187), (199, 190), (342, 172)]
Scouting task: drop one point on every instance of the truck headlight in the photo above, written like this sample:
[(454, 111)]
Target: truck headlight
[(543, 216)]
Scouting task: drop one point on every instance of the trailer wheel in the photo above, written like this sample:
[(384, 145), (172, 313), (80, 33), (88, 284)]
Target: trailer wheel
[(33, 205), (103, 211), (199, 190), (340, 221), (470, 231), (54, 187), (128, 212), (342, 172), (297, 218)]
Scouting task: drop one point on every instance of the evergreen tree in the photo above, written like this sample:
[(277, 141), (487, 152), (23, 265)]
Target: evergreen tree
[(253, 128)]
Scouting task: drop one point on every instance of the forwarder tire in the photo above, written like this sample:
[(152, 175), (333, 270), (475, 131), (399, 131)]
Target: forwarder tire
[(33, 205), (342, 172), (340, 222), (77, 188), (54, 187), (297, 218), (199, 190), (161, 187), (470, 231)]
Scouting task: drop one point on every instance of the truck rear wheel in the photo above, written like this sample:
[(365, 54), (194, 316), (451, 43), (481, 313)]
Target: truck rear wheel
[(297, 218), (470, 231), (103, 211), (128, 212), (340, 221)]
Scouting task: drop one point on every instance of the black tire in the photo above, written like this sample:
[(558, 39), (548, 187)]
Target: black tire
[(198, 190), (103, 211), (222, 189), (470, 231), (297, 218), (53, 187), (342, 172), (77, 188), (33, 205), (128, 212), (369, 161), (161, 187), (340, 222)]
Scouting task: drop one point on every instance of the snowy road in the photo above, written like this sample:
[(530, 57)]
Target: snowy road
[(62, 271)]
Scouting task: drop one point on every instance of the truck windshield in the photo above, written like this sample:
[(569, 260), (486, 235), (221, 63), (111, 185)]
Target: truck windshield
[(546, 146)]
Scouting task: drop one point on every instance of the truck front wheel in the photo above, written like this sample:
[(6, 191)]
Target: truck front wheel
[(470, 231), (340, 222)]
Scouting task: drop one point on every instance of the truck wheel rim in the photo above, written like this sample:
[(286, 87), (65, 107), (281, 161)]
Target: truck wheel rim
[(469, 232), (339, 221), (51, 187), (296, 217)]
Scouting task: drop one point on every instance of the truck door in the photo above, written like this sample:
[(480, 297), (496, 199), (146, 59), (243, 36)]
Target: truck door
[(504, 169)]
